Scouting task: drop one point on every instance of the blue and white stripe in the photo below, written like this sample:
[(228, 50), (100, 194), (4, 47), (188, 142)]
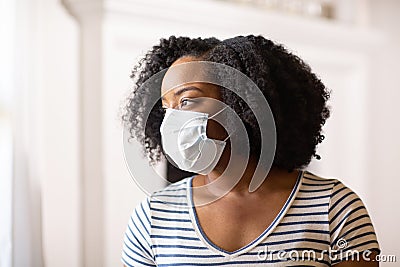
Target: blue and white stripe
[(318, 213)]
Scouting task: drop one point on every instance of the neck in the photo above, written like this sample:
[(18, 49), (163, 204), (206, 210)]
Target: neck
[(275, 179)]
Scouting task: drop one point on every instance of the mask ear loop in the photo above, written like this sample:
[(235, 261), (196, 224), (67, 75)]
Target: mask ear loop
[(229, 136), (215, 114)]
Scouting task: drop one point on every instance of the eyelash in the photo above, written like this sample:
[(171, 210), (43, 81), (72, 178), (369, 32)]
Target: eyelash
[(183, 100)]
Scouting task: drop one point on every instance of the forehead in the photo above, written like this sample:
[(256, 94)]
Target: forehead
[(182, 72)]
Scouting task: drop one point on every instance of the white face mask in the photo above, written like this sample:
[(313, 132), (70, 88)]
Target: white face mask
[(184, 140)]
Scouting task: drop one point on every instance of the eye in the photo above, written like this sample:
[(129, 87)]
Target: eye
[(188, 103), (185, 102)]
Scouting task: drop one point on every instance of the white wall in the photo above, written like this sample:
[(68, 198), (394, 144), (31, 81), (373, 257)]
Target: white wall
[(54, 144), (384, 125), (78, 190)]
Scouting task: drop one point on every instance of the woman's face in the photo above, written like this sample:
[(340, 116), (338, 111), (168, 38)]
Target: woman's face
[(193, 96)]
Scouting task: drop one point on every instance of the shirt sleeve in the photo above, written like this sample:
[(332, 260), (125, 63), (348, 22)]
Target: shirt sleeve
[(351, 228), (137, 249)]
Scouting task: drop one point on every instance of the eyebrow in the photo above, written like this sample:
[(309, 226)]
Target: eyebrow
[(185, 89)]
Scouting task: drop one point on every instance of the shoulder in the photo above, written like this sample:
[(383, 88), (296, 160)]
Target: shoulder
[(311, 179), (315, 187), (173, 194), (338, 192), (181, 185), (350, 225), (340, 197), (164, 202)]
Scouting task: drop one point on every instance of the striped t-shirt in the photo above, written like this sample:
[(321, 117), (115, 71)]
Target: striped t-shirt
[(321, 221)]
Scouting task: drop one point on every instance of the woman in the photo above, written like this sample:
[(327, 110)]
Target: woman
[(291, 218)]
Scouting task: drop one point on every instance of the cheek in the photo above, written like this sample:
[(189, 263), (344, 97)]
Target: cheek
[(215, 130)]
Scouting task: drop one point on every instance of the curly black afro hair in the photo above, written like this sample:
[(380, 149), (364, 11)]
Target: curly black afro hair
[(296, 96)]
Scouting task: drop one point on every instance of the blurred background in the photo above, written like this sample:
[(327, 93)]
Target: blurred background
[(65, 192)]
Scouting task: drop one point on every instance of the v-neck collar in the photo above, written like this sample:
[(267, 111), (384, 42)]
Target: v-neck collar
[(202, 236)]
